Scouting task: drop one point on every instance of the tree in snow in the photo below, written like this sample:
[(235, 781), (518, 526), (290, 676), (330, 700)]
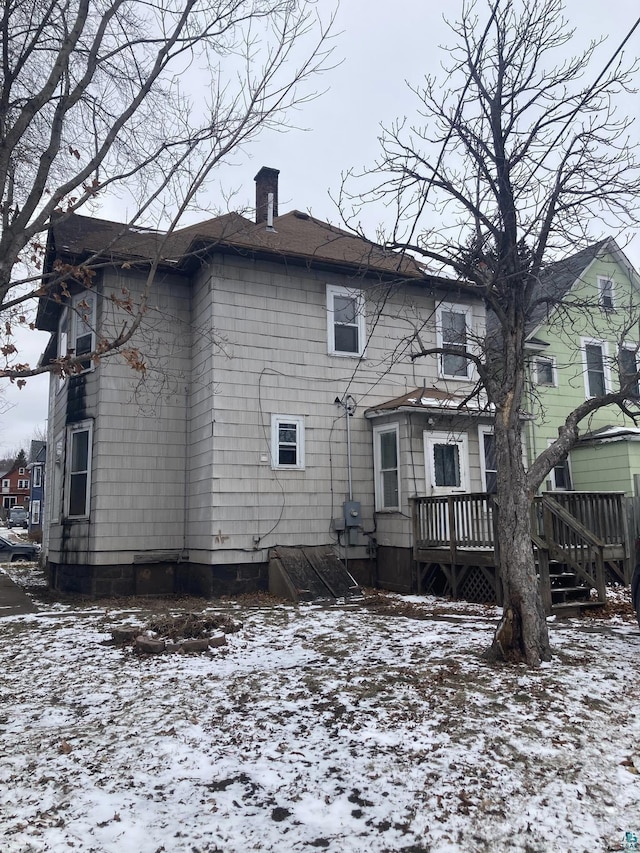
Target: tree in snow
[(518, 149), (125, 99)]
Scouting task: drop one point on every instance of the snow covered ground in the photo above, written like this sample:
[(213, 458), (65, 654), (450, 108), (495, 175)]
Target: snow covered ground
[(345, 729)]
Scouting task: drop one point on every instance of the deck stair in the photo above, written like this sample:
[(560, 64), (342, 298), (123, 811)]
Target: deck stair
[(580, 542)]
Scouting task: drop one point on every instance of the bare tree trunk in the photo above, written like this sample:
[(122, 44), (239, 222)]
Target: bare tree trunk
[(522, 634)]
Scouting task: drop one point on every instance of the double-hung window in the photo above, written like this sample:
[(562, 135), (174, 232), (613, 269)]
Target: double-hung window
[(78, 470), (606, 293), (287, 442), (37, 476), (23, 484), (35, 512), (629, 367), (385, 460), (76, 332), (83, 324), (488, 463), (345, 321), (596, 368), (452, 332)]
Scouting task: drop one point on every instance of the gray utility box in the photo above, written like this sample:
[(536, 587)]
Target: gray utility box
[(352, 517), (352, 521)]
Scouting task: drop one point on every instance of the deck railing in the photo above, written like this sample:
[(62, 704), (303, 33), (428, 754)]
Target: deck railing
[(602, 513), (466, 521)]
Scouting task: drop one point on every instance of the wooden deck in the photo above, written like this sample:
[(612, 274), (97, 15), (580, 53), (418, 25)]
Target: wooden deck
[(580, 542)]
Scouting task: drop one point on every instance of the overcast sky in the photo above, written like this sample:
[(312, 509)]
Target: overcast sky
[(382, 45)]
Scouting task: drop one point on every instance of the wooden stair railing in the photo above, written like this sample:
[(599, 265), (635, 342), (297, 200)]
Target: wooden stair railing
[(570, 542)]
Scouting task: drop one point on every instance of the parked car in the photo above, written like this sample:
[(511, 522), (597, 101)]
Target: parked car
[(18, 517), (11, 551)]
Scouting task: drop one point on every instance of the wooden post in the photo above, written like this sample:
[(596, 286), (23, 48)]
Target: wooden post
[(601, 584), (544, 579)]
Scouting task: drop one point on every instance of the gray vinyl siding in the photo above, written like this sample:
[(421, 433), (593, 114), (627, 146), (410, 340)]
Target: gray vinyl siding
[(138, 446), (274, 324), (240, 342)]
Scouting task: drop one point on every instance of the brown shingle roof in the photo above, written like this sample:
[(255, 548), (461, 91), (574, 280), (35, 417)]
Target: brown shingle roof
[(426, 399), (296, 236)]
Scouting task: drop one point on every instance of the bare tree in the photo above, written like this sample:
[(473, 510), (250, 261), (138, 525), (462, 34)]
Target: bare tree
[(133, 100), (519, 150)]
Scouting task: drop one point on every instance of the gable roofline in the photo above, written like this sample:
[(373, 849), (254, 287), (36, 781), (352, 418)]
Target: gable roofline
[(560, 277)]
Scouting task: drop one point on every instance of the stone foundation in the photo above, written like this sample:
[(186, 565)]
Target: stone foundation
[(159, 579)]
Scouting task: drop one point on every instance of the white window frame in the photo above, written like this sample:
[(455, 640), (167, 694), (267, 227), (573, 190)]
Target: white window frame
[(73, 430), (453, 308), (21, 472), (83, 322), (63, 341), (23, 484), (36, 481), (334, 290), (547, 360), (379, 472), (483, 430), (6, 484), (35, 512), (276, 421), (459, 439), (606, 282), (55, 509), (604, 348), (73, 326)]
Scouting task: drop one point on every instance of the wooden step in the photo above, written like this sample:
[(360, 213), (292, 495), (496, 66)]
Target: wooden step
[(573, 608)]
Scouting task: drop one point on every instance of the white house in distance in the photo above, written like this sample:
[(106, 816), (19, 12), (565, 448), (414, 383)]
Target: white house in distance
[(281, 406)]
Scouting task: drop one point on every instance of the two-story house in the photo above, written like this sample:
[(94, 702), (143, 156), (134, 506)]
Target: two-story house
[(585, 347), (15, 487), (280, 405)]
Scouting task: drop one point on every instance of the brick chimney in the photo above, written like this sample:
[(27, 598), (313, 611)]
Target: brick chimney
[(266, 182)]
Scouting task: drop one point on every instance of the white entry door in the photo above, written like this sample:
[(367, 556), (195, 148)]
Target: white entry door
[(446, 463)]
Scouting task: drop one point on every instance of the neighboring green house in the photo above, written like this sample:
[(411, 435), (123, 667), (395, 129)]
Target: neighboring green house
[(585, 348)]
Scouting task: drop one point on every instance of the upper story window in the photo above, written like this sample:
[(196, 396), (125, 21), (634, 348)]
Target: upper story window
[(6, 484), (287, 441), (596, 369), (76, 332), (23, 484), (385, 459), (544, 371), (606, 293), (21, 471), (628, 367), (345, 321), (36, 476), (453, 324)]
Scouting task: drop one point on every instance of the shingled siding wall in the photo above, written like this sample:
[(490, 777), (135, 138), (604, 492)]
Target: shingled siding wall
[(184, 495), (138, 460), (275, 361)]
